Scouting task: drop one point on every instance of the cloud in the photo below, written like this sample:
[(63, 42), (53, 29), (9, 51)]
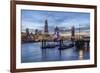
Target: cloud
[(36, 19)]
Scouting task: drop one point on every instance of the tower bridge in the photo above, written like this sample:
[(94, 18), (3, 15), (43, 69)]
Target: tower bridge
[(44, 37)]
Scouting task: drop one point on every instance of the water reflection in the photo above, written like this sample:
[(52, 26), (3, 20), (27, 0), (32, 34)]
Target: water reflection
[(31, 52), (81, 54)]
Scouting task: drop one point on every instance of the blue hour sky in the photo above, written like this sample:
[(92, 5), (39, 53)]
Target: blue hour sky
[(33, 19)]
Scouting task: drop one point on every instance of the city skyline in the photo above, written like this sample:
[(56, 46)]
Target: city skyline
[(48, 33), (33, 19)]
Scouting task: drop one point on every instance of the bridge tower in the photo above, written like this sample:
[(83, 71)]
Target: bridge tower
[(73, 33)]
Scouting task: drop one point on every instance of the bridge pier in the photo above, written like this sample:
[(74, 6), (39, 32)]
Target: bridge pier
[(87, 45), (82, 44), (43, 43)]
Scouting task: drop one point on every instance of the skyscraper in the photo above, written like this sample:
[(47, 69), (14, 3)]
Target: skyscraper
[(27, 31), (46, 26)]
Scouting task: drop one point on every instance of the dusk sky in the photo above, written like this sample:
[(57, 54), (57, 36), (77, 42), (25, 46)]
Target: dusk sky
[(36, 19)]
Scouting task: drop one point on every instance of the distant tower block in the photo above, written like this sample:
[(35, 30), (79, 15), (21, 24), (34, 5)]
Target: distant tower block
[(27, 31), (73, 33), (36, 31), (46, 26)]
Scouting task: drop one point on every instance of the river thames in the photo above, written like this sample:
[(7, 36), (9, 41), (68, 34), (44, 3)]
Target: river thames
[(32, 52)]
